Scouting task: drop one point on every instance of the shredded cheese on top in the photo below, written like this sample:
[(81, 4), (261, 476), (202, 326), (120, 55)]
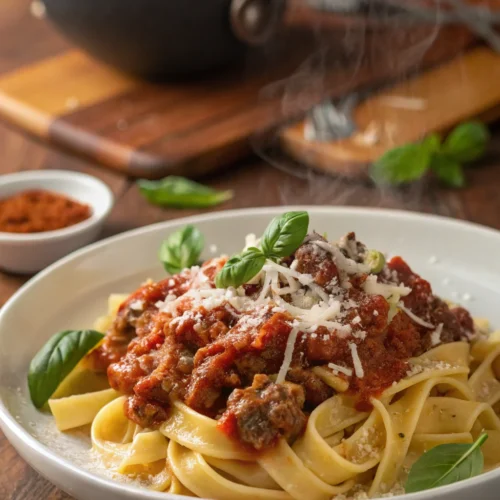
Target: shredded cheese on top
[(283, 289), (414, 317), (436, 335), (343, 263), (340, 369), (290, 346), (358, 367), (389, 291)]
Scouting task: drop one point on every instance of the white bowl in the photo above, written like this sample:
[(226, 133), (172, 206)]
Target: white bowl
[(73, 292), (29, 253)]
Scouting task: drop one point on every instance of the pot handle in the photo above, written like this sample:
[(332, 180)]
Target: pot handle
[(256, 21)]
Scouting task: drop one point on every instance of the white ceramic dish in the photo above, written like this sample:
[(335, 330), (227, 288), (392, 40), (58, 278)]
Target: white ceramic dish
[(28, 253), (460, 259)]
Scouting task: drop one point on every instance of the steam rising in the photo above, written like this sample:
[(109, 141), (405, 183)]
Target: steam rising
[(352, 36)]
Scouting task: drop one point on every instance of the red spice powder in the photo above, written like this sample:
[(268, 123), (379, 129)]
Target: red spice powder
[(37, 211)]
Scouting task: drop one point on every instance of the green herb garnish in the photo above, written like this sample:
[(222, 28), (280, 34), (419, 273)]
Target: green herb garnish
[(241, 268), (182, 249), (56, 360), (467, 142), (448, 170), (285, 234), (179, 192), (401, 165), (282, 237), (404, 164), (375, 260), (446, 464)]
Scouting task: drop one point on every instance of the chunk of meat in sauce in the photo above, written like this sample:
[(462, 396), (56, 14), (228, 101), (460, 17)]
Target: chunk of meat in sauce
[(314, 260), (233, 359), (263, 413), (134, 319), (159, 366), (135, 315), (457, 323), (352, 248), (316, 391), (145, 412)]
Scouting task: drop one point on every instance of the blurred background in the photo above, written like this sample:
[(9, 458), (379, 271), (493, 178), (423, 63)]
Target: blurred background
[(281, 101), (379, 103), (314, 88)]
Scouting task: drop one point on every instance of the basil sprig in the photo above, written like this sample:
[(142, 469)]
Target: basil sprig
[(179, 192), (56, 360), (182, 249), (407, 163), (446, 464), (282, 237), (241, 268)]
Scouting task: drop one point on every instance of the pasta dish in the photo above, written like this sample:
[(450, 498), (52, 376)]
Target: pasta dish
[(297, 369)]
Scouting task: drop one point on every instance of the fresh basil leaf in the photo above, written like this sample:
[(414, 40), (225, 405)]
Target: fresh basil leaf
[(182, 249), (401, 165), (432, 143), (446, 464), (467, 142), (285, 234), (56, 360), (448, 170), (241, 268), (179, 192)]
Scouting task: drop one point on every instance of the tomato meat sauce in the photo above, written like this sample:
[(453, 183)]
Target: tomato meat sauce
[(219, 351), (37, 211)]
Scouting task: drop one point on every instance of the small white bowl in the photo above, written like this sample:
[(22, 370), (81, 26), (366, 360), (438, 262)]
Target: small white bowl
[(29, 253)]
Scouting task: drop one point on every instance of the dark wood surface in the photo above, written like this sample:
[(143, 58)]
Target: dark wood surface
[(255, 182)]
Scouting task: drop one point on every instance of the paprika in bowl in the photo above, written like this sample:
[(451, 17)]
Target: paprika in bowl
[(45, 215)]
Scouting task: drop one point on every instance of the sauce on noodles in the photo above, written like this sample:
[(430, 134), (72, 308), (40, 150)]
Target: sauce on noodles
[(220, 353)]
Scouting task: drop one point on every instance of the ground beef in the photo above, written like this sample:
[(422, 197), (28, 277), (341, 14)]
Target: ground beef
[(264, 413), (313, 260), (145, 412), (316, 391), (457, 322)]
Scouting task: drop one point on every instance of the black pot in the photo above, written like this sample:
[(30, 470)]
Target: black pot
[(166, 37)]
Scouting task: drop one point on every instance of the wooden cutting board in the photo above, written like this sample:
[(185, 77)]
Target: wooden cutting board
[(190, 128), (462, 89)]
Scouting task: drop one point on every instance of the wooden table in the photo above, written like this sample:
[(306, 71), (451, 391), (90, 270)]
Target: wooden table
[(254, 181)]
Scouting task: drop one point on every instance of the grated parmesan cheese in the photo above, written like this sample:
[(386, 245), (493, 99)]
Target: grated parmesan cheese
[(436, 335), (290, 346), (340, 369), (343, 263), (358, 367), (137, 305), (414, 317), (391, 292), (420, 366)]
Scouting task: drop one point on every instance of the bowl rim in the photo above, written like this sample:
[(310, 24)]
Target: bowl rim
[(89, 181), (16, 432)]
